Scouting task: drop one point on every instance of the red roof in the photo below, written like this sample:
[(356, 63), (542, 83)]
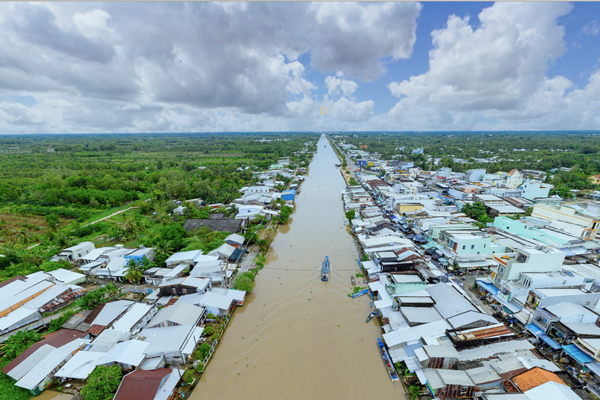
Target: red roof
[(141, 384), (55, 339), (96, 329)]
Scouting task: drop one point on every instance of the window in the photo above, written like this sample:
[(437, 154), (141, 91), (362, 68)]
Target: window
[(502, 270), (478, 252), (484, 246), (464, 247), (472, 246)]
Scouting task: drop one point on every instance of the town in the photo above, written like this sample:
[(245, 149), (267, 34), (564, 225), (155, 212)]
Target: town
[(486, 286)]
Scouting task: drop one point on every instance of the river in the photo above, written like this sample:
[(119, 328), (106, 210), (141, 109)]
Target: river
[(297, 337)]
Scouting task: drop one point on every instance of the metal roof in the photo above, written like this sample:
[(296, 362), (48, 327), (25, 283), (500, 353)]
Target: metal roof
[(552, 390), (449, 301), (418, 315), (141, 384), (48, 364), (20, 370), (494, 348), (581, 328), (111, 311), (108, 339), (130, 352), (170, 339), (80, 366), (132, 316), (405, 335), (483, 375), (18, 315), (439, 378), (65, 276), (180, 313), (470, 317)]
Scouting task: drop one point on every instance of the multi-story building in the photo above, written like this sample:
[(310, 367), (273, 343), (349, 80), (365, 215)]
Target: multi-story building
[(588, 219)]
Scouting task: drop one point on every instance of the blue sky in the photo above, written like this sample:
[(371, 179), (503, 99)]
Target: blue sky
[(194, 67)]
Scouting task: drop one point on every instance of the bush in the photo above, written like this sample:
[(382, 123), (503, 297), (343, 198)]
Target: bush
[(243, 283), (102, 383), (209, 330), (204, 349), (199, 367), (210, 316), (188, 376)]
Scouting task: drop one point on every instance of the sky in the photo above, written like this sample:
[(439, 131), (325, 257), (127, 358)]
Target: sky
[(131, 67)]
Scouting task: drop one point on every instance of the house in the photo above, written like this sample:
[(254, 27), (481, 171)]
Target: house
[(109, 312), (18, 367), (185, 257), (447, 383), (223, 252), (248, 212), (183, 286), (174, 343), (533, 378), (217, 301), (135, 318), (288, 195), (208, 267), (80, 366), (551, 390), (75, 253), (235, 240), (536, 189), (155, 384), (139, 255), (66, 277), (115, 270), (587, 218), (40, 374), (128, 355), (178, 314), (95, 254)]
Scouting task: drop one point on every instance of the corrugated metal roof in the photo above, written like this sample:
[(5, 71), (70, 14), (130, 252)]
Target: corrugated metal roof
[(439, 378), (582, 328), (494, 348), (167, 340), (418, 315), (132, 316), (485, 332), (108, 339), (111, 311), (181, 313), (448, 301), (405, 335), (45, 367), (80, 366), (141, 384), (470, 317), (551, 390), (483, 375), (130, 352), (20, 370), (19, 314)]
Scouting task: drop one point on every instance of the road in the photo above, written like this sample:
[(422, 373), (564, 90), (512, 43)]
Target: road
[(111, 215)]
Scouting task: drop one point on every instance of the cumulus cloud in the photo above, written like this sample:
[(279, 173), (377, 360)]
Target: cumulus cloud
[(173, 66), (493, 76)]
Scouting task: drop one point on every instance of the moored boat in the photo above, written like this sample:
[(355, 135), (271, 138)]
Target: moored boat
[(387, 361), (353, 280), (371, 316)]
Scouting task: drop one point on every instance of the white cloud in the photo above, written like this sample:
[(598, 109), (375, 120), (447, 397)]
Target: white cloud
[(168, 66), (591, 28), (336, 83), (494, 76)]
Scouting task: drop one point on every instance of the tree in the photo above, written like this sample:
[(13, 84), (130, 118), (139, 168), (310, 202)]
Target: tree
[(350, 214), (477, 211), (102, 383), (52, 220), (243, 283), (209, 330), (135, 271), (18, 343)]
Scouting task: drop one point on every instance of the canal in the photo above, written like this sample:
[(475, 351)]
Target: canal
[(297, 337)]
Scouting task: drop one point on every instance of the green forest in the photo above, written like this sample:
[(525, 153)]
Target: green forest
[(53, 186)]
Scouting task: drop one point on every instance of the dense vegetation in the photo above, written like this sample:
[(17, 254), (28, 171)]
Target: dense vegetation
[(53, 186)]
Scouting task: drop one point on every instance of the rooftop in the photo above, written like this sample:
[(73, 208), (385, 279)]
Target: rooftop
[(534, 378)]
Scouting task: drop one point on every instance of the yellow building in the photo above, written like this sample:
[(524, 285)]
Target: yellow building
[(409, 207)]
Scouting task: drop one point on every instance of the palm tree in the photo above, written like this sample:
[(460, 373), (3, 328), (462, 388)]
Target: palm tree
[(19, 342), (135, 271)]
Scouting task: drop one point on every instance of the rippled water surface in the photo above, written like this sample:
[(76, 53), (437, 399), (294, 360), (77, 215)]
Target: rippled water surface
[(297, 337)]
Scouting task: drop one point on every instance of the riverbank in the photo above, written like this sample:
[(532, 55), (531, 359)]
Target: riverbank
[(297, 337)]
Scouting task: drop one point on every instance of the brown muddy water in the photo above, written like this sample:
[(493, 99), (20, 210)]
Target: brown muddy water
[(297, 337)]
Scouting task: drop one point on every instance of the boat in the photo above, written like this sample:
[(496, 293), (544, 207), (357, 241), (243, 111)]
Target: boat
[(360, 293), (353, 280), (387, 361), (371, 316), (325, 269)]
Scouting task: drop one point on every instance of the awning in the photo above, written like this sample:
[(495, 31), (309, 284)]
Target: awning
[(550, 342), (536, 330), (594, 366), (578, 355), (488, 287), (511, 306), (591, 245)]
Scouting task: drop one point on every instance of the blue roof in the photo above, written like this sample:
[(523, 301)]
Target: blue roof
[(288, 192), (488, 287), (550, 342), (533, 328), (577, 354)]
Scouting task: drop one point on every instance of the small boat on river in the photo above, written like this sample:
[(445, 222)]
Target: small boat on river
[(387, 361), (325, 269), (353, 280), (371, 316)]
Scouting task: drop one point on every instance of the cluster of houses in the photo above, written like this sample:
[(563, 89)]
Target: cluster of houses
[(150, 340), (504, 311)]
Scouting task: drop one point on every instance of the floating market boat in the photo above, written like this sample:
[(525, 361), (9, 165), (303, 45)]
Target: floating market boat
[(359, 293), (325, 269), (387, 361), (353, 280), (371, 316)]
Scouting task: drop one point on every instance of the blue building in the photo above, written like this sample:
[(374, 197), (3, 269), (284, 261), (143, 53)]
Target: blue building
[(139, 255), (288, 195)]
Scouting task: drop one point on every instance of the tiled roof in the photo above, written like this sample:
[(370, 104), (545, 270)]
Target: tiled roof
[(534, 378)]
